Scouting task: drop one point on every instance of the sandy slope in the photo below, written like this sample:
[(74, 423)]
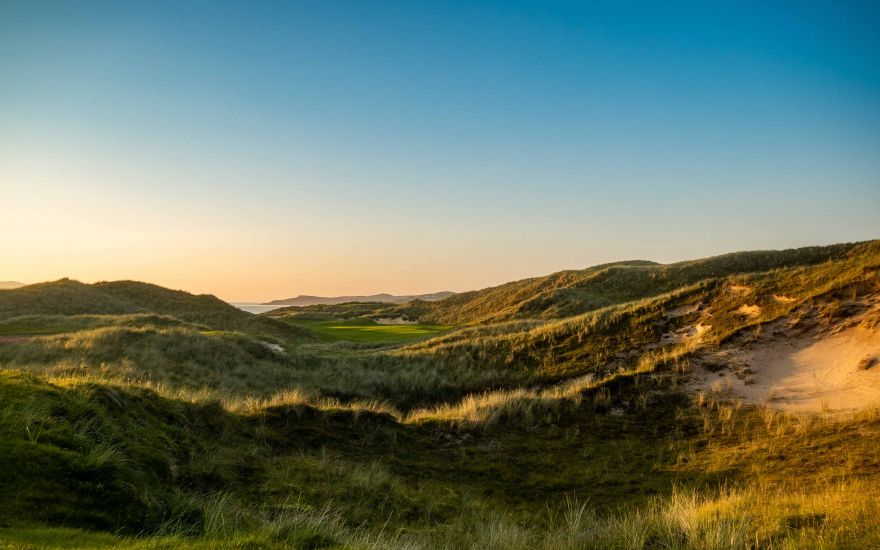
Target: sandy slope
[(806, 373), (835, 368)]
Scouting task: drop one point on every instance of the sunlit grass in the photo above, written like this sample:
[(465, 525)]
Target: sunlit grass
[(525, 433), (369, 332)]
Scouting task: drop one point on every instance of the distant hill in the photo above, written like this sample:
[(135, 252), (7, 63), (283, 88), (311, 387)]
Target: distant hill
[(6, 285), (69, 297), (303, 300)]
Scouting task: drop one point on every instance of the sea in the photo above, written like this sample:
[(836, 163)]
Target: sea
[(254, 308)]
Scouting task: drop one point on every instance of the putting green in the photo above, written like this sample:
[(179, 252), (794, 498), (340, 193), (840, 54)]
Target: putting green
[(365, 331)]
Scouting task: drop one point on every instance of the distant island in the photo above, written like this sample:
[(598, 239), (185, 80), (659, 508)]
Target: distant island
[(303, 300)]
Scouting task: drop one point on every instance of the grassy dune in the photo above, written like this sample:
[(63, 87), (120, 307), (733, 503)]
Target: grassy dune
[(572, 292), (322, 472), (94, 305), (137, 417)]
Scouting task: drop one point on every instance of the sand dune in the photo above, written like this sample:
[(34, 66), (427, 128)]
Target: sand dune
[(808, 373)]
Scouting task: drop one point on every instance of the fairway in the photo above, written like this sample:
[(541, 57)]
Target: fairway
[(365, 331)]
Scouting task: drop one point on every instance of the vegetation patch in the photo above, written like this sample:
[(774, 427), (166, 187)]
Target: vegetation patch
[(549, 413), (369, 332)]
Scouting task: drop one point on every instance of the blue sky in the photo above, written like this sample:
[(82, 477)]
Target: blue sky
[(262, 150)]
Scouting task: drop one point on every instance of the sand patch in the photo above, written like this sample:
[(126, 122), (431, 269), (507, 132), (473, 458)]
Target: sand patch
[(698, 330), (681, 311), (394, 321), (277, 348), (750, 311), (740, 289), (689, 334), (806, 373), (783, 299)]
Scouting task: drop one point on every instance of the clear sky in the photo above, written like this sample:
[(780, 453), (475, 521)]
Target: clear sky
[(260, 150)]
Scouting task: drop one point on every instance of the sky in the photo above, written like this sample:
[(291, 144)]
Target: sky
[(262, 150)]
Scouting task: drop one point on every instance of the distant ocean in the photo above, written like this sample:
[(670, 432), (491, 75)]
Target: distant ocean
[(254, 308)]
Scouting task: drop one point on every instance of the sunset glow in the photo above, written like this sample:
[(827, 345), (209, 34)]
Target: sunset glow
[(353, 148)]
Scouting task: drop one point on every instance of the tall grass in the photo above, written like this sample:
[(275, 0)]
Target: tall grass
[(233, 366), (526, 433), (830, 517)]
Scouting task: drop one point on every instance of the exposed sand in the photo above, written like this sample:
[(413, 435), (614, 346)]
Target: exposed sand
[(681, 311), (698, 330), (277, 348), (807, 373), (751, 311), (740, 289), (686, 334), (395, 321)]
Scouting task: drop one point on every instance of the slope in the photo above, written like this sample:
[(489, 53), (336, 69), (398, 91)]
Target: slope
[(569, 293), (67, 297), (574, 432)]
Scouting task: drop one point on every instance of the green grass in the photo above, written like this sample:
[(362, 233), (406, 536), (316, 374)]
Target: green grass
[(666, 474), (368, 332), (41, 325), (137, 417)]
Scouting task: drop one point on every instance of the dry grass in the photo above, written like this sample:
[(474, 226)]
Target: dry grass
[(521, 408), (824, 517)]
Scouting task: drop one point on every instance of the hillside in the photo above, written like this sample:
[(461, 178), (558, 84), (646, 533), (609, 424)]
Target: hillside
[(569, 293), (681, 322), (325, 312), (6, 285), (629, 405), (303, 301), (69, 298)]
